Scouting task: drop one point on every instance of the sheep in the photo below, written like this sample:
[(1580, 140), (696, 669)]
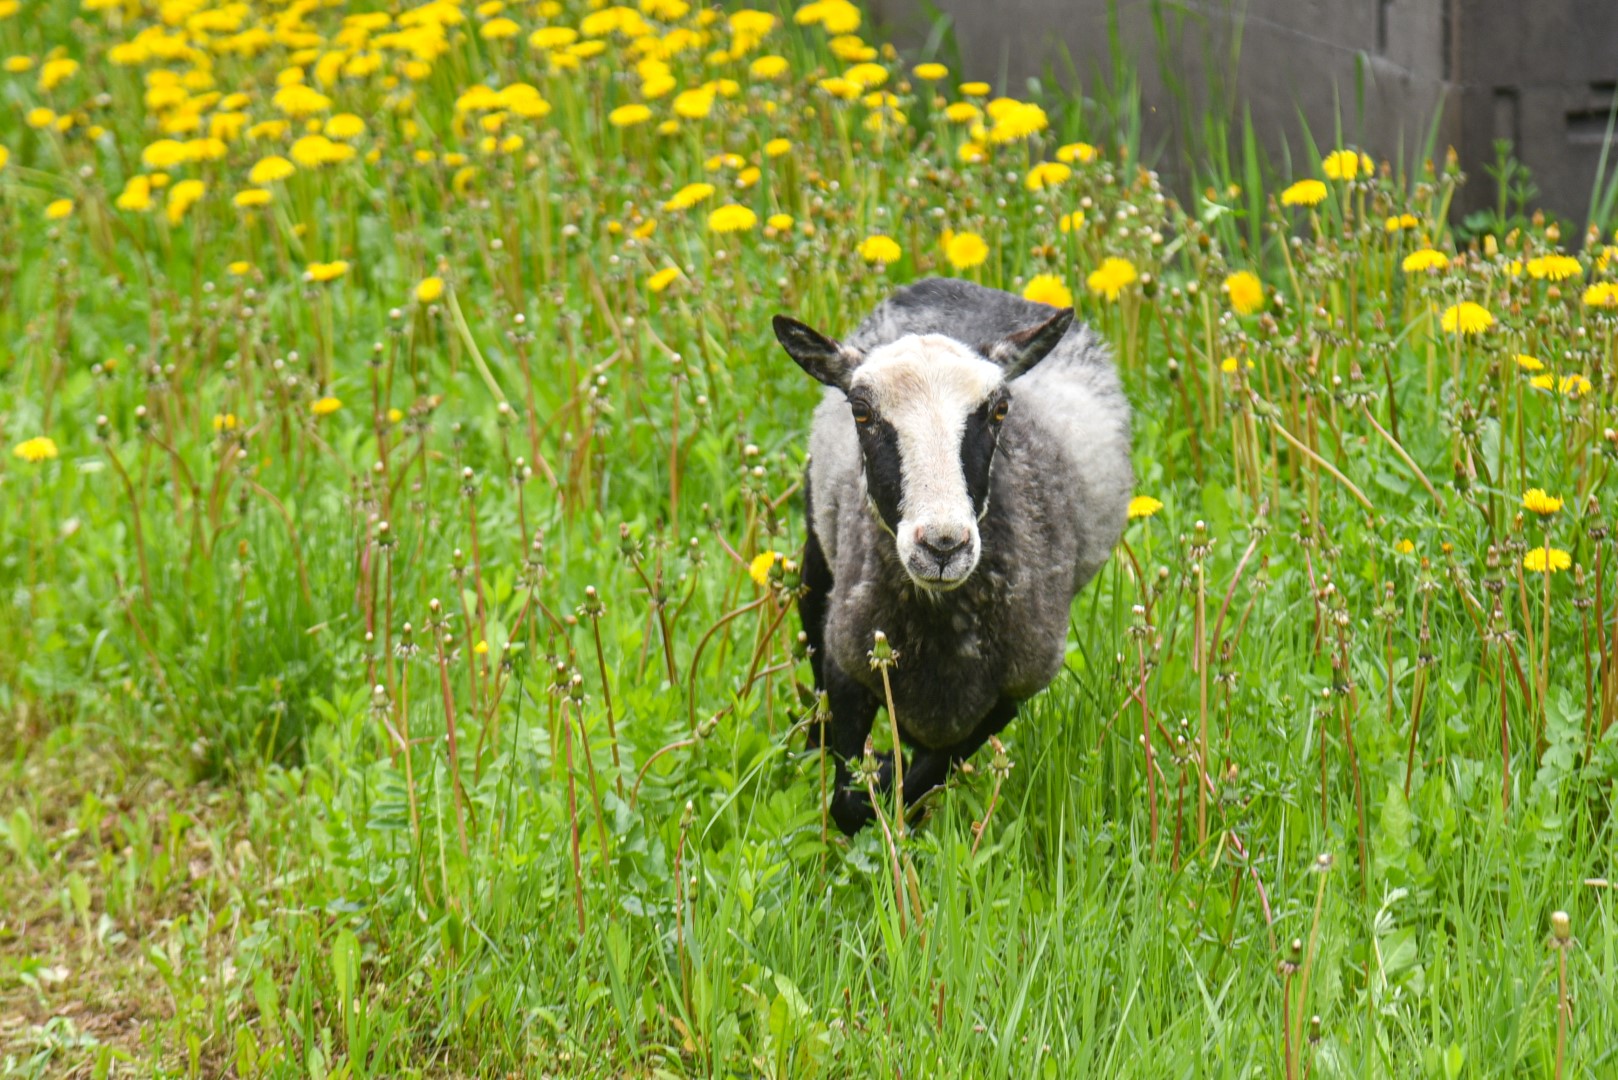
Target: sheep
[(969, 472)]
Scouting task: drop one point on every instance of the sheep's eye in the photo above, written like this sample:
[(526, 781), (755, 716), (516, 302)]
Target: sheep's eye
[(1001, 407), (862, 412)]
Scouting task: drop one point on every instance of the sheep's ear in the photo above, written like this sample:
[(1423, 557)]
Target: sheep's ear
[(816, 353), (824, 358), (1018, 352)]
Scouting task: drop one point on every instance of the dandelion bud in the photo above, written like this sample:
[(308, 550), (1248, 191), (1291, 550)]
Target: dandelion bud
[(592, 608), (1561, 926)]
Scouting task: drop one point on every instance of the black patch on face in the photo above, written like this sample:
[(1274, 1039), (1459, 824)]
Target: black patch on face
[(978, 442), (884, 478)]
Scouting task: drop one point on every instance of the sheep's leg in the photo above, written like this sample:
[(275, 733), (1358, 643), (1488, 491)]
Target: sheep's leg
[(929, 768), (853, 708), (812, 603)]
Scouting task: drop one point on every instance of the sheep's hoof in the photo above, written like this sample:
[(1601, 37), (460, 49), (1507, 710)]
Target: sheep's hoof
[(851, 810)]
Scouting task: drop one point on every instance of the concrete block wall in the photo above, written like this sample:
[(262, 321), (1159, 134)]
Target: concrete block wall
[(1539, 72)]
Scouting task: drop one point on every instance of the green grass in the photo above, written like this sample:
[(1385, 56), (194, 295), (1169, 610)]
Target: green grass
[(224, 849)]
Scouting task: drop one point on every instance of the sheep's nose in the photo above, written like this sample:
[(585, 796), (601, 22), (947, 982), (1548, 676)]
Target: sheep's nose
[(940, 543)]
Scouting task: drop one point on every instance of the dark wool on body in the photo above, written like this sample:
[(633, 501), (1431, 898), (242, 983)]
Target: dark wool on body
[(969, 472)]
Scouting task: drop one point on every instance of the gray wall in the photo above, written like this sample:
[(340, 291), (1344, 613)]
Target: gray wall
[(1540, 72)]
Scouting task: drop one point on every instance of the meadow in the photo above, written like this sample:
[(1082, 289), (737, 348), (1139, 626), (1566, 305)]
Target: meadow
[(399, 514)]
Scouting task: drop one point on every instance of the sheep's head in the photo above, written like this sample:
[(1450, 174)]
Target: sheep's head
[(928, 410)]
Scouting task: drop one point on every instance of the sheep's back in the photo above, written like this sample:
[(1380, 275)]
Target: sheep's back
[(1069, 414)]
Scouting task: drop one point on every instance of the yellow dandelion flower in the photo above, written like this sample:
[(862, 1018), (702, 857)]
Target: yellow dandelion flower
[(962, 112), (268, 130), (1574, 385), (768, 67), (54, 73), (1304, 193), (689, 196), (1543, 382), (930, 72), (1404, 547), (325, 406), (1020, 122), (39, 448), (269, 170), (779, 222), (326, 271), (629, 115), (223, 422), (972, 153), (975, 89), (553, 37), (1071, 222), (663, 278), (429, 289), (136, 196), (296, 99), (880, 249), (16, 65), (1081, 152), (1466, 318), (59, 209), (182, 197), (1046, 174), (1601, 294), (645, 229), (345, 126), (966, 250), (252, 198), (1048, 289), (1246, 292), (1398, 222), (1347, 164), (39, 118), (1529, 363), (313, 151), (239, 268), (1546, 560), (834, 16), (759, 568), (1424, 260), (777, 148), (1113, 276), (694, 104), (1544, 505), (1143, 506), (499, 29), (1554, 267), (732, 217), (841, 88), (867, 76)]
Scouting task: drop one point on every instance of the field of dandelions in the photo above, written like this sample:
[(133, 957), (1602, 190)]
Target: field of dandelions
[(399, 670)]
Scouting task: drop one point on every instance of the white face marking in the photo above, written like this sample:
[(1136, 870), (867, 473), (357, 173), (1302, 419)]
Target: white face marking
[(926, 387)]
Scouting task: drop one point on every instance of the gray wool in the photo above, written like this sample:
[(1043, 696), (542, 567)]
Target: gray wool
[(1058, 502)]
